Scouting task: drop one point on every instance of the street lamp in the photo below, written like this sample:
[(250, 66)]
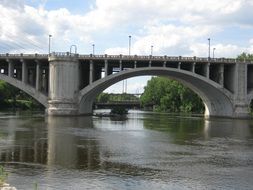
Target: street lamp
[(129, 45), (93, 49), (49, 43), (151, 53), (71, 48), (208, 48), (213, 52)]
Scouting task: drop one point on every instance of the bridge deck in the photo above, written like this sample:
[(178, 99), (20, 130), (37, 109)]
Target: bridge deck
[(121, 57)]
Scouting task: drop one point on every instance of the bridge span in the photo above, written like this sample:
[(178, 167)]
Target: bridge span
[(67, 84)]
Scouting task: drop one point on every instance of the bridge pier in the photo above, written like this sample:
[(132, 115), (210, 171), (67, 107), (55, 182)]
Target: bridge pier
[(64, 85)]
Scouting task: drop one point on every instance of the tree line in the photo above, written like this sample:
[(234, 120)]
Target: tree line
[(110, 97)]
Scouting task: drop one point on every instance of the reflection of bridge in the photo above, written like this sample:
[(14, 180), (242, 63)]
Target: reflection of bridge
[(67, 84)]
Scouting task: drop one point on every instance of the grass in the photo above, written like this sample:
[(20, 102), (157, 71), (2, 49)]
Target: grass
[(3, 175)]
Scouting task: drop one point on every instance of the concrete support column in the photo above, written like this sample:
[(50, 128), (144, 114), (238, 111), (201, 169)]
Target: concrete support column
[(135, 64), (193, 67), (38, 76), (221, 74), (120, 65), (150, 63), (63, 87), (207, 70), (241, 104), (10, 68), (164, 64), (106, 68), (24, 72), (91, 72), (179, 65)]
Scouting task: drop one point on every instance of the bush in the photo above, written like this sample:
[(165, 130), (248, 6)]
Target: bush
[(119, 110)]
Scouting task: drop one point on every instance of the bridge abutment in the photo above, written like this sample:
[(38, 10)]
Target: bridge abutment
[(63, 86)]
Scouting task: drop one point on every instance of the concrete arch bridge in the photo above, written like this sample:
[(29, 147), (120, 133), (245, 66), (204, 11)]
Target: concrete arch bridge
[(67, 84)]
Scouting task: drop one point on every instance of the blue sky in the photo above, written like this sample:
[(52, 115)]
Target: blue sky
[(174, 28)]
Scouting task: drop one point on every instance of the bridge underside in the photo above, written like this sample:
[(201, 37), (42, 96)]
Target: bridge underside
[(216, 99)]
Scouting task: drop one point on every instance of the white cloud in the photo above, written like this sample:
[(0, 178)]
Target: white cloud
[(186, 11), (170, 26), (179, 27), (14, 4), (221, 50), (167, 39)]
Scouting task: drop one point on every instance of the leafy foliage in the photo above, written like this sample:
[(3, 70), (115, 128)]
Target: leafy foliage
[(170, 96), (11, 96), (119, 110), (3, 175), (245, 56)]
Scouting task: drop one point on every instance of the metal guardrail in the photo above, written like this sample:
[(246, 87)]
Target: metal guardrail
[(7, 55), (123, 57)]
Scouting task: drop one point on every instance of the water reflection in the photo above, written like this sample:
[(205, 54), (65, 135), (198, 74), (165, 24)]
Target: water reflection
[(158, 149), (70, 143), (86, 142), (228, 128), (23, 142)]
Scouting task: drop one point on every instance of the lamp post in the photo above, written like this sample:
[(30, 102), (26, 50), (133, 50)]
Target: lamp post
[(151, 53), (129, 45), (49, 43), (213, 52), (93, 49), (208, 48), (71, 48)]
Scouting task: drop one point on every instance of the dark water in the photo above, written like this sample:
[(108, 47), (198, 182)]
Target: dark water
[(146, 151)]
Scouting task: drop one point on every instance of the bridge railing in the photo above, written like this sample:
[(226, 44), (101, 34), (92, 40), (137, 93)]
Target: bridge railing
[(21, 55), (63, 54), (124, 57)]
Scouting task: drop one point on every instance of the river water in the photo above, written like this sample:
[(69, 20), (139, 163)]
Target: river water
[(145, 151)]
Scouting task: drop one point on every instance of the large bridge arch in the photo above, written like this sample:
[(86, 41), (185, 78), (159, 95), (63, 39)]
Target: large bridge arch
[(41, 98), (217, 100)]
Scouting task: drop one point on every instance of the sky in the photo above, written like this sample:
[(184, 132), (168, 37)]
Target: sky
[(172, 27)]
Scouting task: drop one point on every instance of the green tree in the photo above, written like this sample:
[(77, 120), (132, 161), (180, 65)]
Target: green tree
[(7, 92), (106, 97), (245, 56), (102, 98), (11, 96), (170, 96)]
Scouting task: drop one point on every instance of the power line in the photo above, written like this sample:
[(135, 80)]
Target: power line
[(21, 42)]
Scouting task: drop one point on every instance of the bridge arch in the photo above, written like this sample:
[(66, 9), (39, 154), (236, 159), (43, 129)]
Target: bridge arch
[(40, 97), (217, 100)]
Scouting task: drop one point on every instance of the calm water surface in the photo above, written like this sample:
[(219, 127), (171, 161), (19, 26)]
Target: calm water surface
[(146, 151)]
